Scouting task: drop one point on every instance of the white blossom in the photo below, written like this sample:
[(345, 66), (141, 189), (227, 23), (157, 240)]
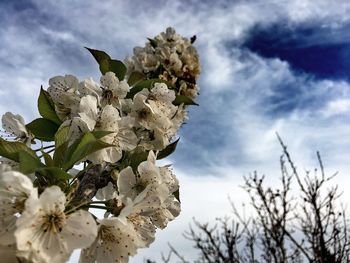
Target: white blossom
[(170, 57), (116, 242), (15, 190), (151, 190), (63, 91), (168, 211), (154, 111), (162, 97), (130, 185), (45, 233), (88, 111), (147, 115), (90, 87), (107, 121), (9, 163), (114, 90), (15, 125), (107, 193)]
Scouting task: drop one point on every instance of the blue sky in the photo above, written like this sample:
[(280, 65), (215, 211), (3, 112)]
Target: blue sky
[(268, 66)]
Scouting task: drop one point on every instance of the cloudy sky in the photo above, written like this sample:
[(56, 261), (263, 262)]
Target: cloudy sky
[(268, 66)]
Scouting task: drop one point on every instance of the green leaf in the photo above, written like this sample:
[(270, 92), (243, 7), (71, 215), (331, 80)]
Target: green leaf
[(99, 55), (66, 157), (43, 129), (28, 163), (61, 145), (183, 99), (155, 74), (46, 107), (60, 154), (54, 173), (100, 134), (168, 150), (135, 78), (153, 42), (115, 66), (48, 159), (61, 136), (11, 150), (86, 145), (134, 158), (145, 84)]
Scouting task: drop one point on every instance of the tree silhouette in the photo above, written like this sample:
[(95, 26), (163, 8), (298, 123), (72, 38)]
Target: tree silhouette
[(306, 225)]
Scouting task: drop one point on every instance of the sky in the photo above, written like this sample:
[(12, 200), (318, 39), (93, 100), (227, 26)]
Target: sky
[(267, 66)]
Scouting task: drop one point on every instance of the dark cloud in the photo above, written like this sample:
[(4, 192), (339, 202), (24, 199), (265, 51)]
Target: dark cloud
[(18, 6), (314, 48)]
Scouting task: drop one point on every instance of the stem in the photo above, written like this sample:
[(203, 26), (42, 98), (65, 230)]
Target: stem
[(47, 152), (88, 204), (76, 207), (43, 148), (73, 179), (99, 207), (98, 202)]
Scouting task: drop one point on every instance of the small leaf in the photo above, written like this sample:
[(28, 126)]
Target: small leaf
[(134, 158), (193, 39), (183, 99), (86, 145), (104, 66), (43, 129), (46, 107), (135, 78), (145, 84), (11, 150), (66, 157), (155, 74), (61, 145), (48, 159), (54, 173), (111, 65), (98, 54), (133, 91), (61, 136), (60, 154), (168, 150), (28, 163), (153, 42), (101, 134)]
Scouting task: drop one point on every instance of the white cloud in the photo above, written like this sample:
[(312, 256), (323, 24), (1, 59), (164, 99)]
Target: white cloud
[(337, 106)]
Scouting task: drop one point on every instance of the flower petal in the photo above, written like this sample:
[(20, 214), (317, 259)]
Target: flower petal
[(80, 230)]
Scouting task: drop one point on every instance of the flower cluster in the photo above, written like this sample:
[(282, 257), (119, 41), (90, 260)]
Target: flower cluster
[(170, 57), (95, 146)]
